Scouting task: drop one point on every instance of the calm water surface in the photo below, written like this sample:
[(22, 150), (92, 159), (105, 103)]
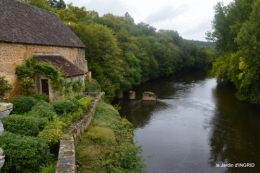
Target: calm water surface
[(194, 126)]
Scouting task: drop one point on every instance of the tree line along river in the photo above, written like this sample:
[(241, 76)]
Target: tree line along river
[(194, 126)]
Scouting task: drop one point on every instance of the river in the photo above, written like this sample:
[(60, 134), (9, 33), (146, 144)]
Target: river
[(194, 126)]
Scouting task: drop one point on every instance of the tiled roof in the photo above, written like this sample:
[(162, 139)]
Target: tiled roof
[(68, 68), (23, 23)]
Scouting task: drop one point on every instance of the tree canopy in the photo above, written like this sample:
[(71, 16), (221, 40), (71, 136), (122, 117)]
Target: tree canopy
[(237, 35), (122, 54)]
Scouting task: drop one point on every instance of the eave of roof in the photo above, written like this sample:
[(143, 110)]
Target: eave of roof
[(67, 67)]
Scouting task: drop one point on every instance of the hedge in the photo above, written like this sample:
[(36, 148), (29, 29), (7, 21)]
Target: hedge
[(24, 125), (24, 154), (22, 104)]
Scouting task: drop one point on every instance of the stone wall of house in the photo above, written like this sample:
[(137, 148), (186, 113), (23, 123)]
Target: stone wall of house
[(54, 95), (67, 156), (12, 55)]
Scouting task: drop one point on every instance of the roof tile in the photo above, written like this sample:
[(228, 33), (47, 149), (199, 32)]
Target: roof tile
[(23, 23)]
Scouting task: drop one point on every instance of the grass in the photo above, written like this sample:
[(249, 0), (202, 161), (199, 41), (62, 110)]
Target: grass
[(108, 144)]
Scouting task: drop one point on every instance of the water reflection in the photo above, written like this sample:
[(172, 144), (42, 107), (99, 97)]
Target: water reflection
[(193, 126), (139, 112), (235, 132)]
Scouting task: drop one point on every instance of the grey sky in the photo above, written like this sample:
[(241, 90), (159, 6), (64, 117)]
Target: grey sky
[(190, 18)]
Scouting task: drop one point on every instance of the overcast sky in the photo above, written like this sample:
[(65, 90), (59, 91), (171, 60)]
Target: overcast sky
[(190, 18)]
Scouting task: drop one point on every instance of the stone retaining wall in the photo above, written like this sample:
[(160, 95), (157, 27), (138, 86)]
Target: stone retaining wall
[(67, 156)]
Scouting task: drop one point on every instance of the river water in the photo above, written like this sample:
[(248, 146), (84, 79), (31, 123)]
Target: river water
[(195, 126)]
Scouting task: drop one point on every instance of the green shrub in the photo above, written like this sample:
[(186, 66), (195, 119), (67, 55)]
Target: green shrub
[(4, 87), (23, 153), (52, 132), (75, 101), (43, 109), (68, 105), (22, 104), (77, 115), (85, 103), (50, 168), (42, 96), (24, 125), (102, 135), (79, 96), (27, 86), (92, 86)]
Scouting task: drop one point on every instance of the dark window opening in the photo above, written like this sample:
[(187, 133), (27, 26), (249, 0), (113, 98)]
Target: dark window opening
[(45, 86)]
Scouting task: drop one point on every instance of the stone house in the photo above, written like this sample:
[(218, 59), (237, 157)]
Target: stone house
[(27, 31)]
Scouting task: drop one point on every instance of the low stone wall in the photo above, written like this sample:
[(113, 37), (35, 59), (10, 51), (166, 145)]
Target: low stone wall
[(67, 156)]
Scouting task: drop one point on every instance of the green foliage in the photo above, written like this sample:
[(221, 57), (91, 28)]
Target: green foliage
[(50, 168), (24, 125), (69, 118), (122, 54), (27, 87), (33, 67), (57, 4), (207, 45), (132, 75), (23, 153), (92, 86), (42, 96), (44, 110), (67, 105), (4, 87), (39, 3), (22, 104), (102, 136), (79, 96), (103, 56), (108, 145), (241, 66), (67, 15), (85, 103), (77, 86), (52, 132)]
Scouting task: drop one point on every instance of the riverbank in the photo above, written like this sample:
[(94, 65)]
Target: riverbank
[(108, 144)]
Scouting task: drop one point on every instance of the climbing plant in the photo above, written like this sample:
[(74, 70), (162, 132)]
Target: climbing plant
[(4, 87), (27, 86), (58, 81), (33, 67)]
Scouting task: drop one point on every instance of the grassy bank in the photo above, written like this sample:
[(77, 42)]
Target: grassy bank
[(108, 144)]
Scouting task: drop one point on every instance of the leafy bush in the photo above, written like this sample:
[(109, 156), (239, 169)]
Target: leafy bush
[(85, 103), (43, 109), (102, 135), (92, 86), (79, 96), (52, 132), (50, 168), (4, 87), (68, 105), (24, 125), (23, 153), (77, 86), (42, 96), (27, 86), (22, 104), (77, 115)]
